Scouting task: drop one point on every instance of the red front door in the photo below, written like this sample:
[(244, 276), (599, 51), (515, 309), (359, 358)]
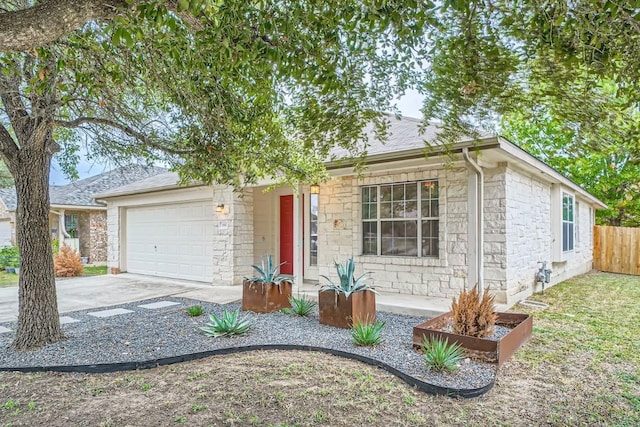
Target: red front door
[(286, 234)]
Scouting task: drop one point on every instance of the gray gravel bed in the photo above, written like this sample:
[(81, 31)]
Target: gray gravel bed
[(153, 334)]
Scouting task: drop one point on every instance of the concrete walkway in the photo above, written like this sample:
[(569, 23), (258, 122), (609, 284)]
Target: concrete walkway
[(84, 293)]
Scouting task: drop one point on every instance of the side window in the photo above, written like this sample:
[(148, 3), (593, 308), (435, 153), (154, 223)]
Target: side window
[(568, 224)]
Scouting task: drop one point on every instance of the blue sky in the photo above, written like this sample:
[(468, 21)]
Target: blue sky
[(409, 105)]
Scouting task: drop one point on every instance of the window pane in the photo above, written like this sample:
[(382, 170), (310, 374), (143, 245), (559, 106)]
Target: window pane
[(399, 238), (385, 193), (430, 201), (430, 238), (385, 209), (411, 192), (398, 192), (313, 229), (369, 194), (369, 238)]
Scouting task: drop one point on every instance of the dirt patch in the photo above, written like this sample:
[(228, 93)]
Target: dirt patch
[(580, 370), (306, 389)]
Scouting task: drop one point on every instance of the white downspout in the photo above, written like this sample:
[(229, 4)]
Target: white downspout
[(62, 232), (479, 218)]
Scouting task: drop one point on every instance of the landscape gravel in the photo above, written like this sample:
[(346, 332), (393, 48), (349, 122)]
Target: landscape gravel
[(145, 335)]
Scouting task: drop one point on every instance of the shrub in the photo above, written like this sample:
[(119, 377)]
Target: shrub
[(348, 283), (67, 262), (473, 316), (268, 272), (367, 333), (9, 256), (300, 306), (439, 355), (227, 324), (195, 311)]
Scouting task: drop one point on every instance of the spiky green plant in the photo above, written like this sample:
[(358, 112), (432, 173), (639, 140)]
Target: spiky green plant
[(229, 323), (195, 311), (300, 306), (348, 283), (367, 333), (439, 355), (268, 272)]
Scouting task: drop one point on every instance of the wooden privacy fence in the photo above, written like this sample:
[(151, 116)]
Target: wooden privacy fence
[(616, 249)]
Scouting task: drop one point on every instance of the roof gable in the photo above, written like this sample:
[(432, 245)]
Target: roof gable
[(81, 192)]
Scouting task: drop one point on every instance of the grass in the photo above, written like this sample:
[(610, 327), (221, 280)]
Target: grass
[(95, 271), (582, 367), (8, 280)]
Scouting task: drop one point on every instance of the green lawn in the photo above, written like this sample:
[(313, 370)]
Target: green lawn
[(7, 280), (95, 271)]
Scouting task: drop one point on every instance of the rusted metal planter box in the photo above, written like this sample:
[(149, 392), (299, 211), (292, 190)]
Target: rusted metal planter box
[(480, 348), (341, 312), (265, 297)]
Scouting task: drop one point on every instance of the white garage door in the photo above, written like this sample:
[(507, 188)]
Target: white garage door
[(171, 240), (5, 233)]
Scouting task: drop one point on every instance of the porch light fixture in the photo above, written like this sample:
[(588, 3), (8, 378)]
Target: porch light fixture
[(220, 207), (315, 189)]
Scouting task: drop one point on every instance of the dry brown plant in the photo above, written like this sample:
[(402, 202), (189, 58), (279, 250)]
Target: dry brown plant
[(67, 262), (472, 315)]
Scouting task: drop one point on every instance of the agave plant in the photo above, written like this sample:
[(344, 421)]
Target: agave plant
[(300, 306), (348, 282), (227, 324), (268, 272)]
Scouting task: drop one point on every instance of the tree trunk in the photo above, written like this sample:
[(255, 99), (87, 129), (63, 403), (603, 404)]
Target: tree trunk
[(38, 319)]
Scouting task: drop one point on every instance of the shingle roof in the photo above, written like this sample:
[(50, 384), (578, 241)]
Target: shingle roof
[(157, 182), (81, 192), (403, 134)]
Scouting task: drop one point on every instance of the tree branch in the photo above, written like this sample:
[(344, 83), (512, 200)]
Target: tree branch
[(8, 148), (49, 20), (127, 130)]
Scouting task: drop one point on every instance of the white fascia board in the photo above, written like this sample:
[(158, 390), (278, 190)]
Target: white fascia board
[(531, 162), (79, 207)]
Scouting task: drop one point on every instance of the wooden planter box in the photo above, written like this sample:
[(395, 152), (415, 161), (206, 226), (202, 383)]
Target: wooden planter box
[(342, 312), (482, 349), (265, 297)]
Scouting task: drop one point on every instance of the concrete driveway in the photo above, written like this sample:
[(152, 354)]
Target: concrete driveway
[(84, 293)]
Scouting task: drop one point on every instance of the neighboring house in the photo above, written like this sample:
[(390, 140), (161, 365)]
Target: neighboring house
[(413, 221), (76, 219)]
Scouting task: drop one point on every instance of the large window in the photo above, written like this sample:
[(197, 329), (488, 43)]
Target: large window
[(401, 219), (567, 222)]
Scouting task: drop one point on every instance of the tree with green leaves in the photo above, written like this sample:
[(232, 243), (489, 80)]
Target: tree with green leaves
[(490, 58), (231, 91), (609, 171), (225, 92)]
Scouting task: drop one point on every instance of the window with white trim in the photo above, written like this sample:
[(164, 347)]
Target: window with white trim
[(567, 222), (401, 219)]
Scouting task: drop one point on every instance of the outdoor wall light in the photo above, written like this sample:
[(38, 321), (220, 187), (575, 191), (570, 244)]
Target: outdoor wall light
[(315, 189), (220, 207)]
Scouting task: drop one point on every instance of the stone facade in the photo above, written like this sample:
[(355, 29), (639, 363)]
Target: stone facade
[(519, 218), (517, 235), (98, 237), (340, 234)]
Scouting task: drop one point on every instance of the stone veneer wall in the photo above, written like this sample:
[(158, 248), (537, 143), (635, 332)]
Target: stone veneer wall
[(98, 237), (84, 232), (530, 239), (339, 234), (495, 224), (232, 236)]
